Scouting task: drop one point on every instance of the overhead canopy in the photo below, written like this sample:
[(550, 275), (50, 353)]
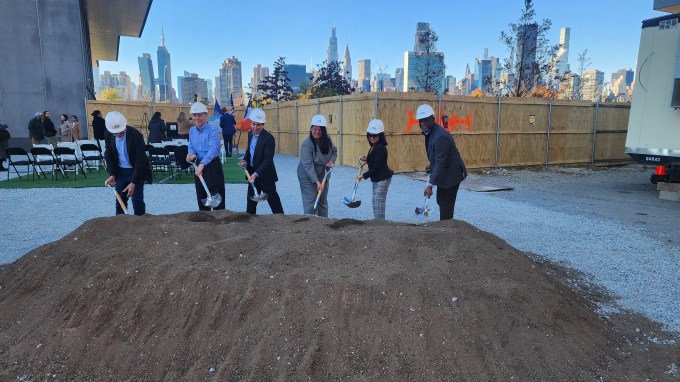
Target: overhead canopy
[(670, 6), (108, 20)]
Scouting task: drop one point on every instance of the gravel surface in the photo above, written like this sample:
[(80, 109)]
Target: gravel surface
[(606, 223)]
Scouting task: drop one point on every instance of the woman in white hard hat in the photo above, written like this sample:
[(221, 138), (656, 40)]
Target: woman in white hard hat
[(378, 170), (316, 155)]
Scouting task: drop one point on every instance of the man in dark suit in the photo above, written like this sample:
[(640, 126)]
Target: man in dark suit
[(228, 126), (446, 167), (126, 162), (259, 161)]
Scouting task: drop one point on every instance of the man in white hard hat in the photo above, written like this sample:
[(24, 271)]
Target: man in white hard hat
[(259, 161), (204, 148), (446, 167), (126, 162)]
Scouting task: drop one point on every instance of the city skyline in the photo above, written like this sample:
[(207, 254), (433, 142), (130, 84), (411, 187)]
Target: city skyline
[(384, 41)]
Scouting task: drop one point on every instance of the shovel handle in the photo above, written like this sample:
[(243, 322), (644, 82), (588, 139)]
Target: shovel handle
[(318, 194), (120, 200)]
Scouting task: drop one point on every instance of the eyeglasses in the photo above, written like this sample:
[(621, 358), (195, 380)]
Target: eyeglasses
[(373, 135)]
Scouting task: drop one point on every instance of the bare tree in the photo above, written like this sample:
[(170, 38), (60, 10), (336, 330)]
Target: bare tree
[(530, 52), (583, 65), (430, 64)]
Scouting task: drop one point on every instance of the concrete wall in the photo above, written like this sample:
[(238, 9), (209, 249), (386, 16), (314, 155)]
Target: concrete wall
[(44, 62)]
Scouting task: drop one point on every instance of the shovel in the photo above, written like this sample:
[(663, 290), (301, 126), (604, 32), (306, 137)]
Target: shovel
[(323, 184), (120, 201), (425, 211), (353, 203), (211, 201), (260, 197)]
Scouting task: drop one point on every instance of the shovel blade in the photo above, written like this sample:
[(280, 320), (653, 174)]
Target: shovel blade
[(352, 203), (212, 201), (419, 211), (259, 198)]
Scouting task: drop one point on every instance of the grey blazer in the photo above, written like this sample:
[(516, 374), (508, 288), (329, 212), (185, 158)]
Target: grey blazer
[(312, 162), (446, 165)]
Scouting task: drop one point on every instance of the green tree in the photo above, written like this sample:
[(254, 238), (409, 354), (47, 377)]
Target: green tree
[(111, 94), (530, 52), (276, 87), (429, 70), (330, 81)]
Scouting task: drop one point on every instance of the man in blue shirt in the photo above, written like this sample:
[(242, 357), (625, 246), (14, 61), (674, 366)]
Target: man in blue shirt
[(227, 124), (204, 148), (126, 162)]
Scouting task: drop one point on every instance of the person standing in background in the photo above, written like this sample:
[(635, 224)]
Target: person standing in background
[(49, 129), (183, 126), (35, 129), (157, 129), (228, 125), (99, 127), (76, 129), (65, 128)]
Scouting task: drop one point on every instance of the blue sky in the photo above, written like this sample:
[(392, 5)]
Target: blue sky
[(200, 34)]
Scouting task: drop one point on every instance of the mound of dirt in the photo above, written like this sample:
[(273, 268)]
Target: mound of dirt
[(228, 296)]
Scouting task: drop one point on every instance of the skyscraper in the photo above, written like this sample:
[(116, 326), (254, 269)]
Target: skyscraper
[(560, 63), (364, 76), (421, 70), (627, 75), (399, 79), (259, 73), (421, 29), (527, 43), (147, 79), (164, 72), (193, 85), (332, 51), (179, 84), (347, 64), (297, 75), (487, 70), (230, 80), (591, 85)]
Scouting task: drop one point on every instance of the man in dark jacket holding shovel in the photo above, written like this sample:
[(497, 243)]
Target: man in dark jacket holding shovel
[(126, 162), (446, 167)]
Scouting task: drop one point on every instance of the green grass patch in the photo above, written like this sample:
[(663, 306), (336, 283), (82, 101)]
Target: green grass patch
[(232, 174)]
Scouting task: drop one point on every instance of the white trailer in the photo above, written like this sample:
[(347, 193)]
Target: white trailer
[(654, 125)]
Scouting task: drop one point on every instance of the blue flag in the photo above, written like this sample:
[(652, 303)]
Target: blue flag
[(218, 111)]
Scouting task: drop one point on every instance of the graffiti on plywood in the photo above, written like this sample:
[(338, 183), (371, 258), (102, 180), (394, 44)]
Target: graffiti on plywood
[(447, 122)]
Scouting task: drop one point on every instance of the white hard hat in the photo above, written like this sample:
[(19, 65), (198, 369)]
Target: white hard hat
[(318, 120), (424, 111), (115, 122), (258, 116), (198, 108), (375, 127)]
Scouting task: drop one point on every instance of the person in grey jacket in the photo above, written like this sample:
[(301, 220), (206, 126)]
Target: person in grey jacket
[(446, 167), (317, 153)]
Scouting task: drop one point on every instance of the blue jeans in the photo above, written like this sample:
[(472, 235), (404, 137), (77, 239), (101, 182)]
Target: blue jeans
[(123, 179)]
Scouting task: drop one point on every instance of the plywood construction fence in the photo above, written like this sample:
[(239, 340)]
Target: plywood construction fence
[(489, 132)]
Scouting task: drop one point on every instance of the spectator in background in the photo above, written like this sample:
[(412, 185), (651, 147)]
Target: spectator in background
[(99, 127), (183, 125), (76, 129), (4, 140), (65, 128), (35, 129), (228, 123), (49, 129), (157, 129)]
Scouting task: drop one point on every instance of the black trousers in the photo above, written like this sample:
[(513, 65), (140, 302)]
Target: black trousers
[(214, 179), (268, 188), (446, 199)]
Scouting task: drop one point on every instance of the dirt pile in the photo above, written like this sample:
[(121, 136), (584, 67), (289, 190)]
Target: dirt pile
[(227, 296)]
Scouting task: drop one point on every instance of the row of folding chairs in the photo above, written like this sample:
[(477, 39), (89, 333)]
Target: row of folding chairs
[(169, 158), (58, 159)]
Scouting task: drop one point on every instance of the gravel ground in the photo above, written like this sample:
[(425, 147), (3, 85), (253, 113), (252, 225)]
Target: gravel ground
[(606, 223)]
